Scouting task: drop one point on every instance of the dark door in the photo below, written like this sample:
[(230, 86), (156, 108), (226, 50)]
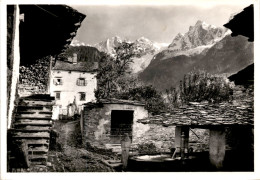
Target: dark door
[(121, 123)]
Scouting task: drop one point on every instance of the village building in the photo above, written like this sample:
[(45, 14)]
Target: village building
[(72, 84), (105, 122), (230, 128)]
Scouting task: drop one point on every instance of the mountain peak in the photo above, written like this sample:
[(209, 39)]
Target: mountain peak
[(143, 39), (199, 22), (201, 34)]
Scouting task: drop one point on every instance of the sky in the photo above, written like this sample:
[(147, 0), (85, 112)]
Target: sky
[(157, 23)]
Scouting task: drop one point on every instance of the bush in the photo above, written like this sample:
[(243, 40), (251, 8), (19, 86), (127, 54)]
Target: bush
[(147, 148), (153, 100), (200, 86)]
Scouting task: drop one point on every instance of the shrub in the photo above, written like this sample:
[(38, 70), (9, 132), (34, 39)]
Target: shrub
[(153, 100), (200, 86), (147, 148)]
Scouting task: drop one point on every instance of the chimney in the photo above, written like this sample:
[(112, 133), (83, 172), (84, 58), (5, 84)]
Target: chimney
[(95, 65), (74, 58), (70, 59)]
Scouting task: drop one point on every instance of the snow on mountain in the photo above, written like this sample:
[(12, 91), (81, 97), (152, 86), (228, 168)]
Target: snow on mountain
[(198, 39), (75, 42), (227, 56), (109, 44), (144, 48), (161, 46)]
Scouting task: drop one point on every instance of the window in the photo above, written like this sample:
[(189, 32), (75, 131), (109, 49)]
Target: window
[(57, 95), (81, 82), (57, 81), (82, 96)]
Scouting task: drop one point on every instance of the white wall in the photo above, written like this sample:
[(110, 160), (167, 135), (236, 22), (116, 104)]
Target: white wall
[(70, 90)]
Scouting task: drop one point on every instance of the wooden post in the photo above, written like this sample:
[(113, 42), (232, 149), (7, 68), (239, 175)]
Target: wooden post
[(179, 143), (217, 147), (15, 65), (182, 145), (125, 146), (49, 79)]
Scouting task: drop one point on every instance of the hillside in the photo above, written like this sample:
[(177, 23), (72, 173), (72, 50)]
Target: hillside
[(229, 55)]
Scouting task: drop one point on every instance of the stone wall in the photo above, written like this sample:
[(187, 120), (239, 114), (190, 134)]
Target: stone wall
[(96, 125), (96, 121), (161, 137)]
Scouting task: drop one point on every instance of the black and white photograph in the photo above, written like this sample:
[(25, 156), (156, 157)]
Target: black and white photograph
[(129, 88)]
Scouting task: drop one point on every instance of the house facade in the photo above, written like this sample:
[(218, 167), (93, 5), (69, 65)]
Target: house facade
[(72, 84)]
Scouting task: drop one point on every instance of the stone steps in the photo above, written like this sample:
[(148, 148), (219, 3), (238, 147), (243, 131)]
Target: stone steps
[(31, 135), (34, 114), (37, 142), (37, 159), (34, 108), (38, 150), (32, 127), (35, 128), (27, 102), (33, 123)]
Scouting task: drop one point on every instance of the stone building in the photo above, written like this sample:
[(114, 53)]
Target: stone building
[(230, 128), (105, 122), (72, 84)]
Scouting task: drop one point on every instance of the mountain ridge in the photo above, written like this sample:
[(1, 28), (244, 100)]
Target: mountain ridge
[(228, 56)]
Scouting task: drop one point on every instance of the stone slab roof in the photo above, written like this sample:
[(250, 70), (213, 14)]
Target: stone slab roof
[(80, 66), (121, 101), (205, 115)]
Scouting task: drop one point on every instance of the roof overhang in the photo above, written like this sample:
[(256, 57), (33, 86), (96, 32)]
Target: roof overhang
[(244, 77), (46, 30), (243, 23)]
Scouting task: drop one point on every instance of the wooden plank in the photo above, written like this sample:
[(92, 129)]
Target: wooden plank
[(37, 156), (37, 142), (40, 129), (34, 115), (35, 108), (37, 102), (43, 149), (33, 122), (31, 135), (33, 118), (32, 128)]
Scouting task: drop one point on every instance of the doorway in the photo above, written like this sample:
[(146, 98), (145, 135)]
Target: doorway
[(121, 123)]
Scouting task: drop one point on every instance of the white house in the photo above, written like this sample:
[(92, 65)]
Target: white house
[(72, 84)]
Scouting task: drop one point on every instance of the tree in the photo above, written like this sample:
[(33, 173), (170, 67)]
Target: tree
[(113, 71), (153, 100), (198, 86), (116, 81)]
